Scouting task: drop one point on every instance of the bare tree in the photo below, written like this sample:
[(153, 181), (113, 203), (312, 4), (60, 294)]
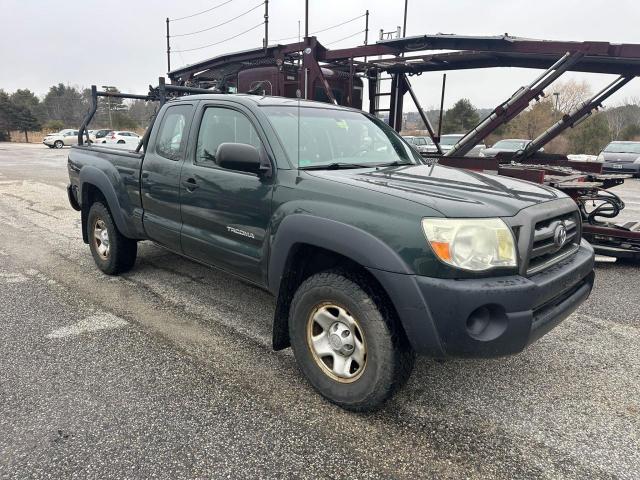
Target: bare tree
[(617, 120), (570, 94)]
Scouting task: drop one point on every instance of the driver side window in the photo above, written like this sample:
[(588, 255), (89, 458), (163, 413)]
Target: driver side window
[(222, 125)]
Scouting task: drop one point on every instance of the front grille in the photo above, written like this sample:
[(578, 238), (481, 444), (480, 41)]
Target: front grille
[(545, 249)]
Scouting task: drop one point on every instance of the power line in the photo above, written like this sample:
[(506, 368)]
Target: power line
[(324, 29), (345, 38), (218, 43), (220, 24), (203, 11)]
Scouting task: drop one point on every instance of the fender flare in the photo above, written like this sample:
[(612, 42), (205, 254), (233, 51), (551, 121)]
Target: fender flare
[(96, 177), (341, 238), (347, 240)]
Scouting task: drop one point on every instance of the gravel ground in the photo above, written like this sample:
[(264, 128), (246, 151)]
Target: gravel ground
[(167, 372)]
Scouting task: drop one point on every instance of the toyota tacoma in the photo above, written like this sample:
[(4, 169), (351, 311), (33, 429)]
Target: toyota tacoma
[(372, 255)]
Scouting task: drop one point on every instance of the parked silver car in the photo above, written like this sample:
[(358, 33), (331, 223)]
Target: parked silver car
[(424, 145), (448, 141), (59, 139), (621, 157), (506, 145)]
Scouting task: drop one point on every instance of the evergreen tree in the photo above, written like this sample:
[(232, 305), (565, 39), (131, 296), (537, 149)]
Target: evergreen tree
[(461, 118), (6, 116), (25, 113)]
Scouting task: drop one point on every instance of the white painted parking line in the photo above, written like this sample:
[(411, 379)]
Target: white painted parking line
[(12, 278), (92, 323)]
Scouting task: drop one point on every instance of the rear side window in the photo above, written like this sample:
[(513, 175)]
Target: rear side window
[(223, 125), (171, 138)]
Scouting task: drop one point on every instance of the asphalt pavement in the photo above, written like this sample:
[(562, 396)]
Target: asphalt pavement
[(168, 372)]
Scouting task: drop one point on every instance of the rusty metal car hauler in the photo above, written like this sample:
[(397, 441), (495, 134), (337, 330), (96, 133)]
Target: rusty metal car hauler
[(335, 76)]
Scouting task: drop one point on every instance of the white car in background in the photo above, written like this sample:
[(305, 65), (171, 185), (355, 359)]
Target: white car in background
[(68, 136), (424, 145), (122, 137), (97, 136)]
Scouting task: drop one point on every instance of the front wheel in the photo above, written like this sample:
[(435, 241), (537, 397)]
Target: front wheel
[(58, 144), (113, 252), (349, 348)]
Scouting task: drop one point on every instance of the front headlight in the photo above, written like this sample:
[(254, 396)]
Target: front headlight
[(472, 243)]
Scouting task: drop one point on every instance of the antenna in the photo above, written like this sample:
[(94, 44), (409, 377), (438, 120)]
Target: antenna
[(298, 94)]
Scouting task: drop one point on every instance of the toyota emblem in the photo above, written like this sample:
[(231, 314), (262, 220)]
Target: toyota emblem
[(560, 235)]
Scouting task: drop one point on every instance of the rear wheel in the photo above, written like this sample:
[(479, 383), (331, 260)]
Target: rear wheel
[(349, 348), (113, 252), (58, 144)]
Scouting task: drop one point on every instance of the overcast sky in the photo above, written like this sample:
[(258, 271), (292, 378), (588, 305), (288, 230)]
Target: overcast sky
[(122, 43)]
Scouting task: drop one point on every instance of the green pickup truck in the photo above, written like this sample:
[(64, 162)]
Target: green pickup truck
[(372, 255)]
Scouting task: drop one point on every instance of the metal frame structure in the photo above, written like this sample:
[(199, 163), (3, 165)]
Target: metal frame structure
[(161, 94), (402, 57)]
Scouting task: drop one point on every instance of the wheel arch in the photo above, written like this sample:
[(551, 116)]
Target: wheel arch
[(96, 186), (305, 245)]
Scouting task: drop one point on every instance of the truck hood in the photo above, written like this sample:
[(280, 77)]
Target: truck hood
[(451, 191)]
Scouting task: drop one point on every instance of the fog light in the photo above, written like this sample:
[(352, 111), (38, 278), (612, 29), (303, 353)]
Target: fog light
[(487, 322)]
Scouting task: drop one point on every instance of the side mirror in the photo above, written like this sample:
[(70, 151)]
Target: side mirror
[(240, 157)]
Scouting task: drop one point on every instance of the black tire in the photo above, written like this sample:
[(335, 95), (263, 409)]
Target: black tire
[(121, 142), (58, 144), (389, 359), (121, 253)]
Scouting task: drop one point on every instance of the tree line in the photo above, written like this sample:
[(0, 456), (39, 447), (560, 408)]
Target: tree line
[(65, 106), (621, 122)]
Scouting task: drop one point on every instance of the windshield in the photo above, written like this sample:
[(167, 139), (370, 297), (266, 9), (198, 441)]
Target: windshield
[(510, 144), (618, 147), (329, 136)]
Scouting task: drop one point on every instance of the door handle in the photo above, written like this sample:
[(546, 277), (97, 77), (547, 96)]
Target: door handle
[(190, 184)]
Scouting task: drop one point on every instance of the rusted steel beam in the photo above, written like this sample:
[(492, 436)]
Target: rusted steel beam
[(360, 51), (618, 233), (571, 119), (311, 65), (504, 43), (470, 163), (519, 101), (425, 119), (530, 174)]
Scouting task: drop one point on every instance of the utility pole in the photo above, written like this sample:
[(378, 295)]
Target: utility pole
[(306, 18), (366, 31), (168, 49), (266, 25), (109, 88), (404, 25), (366, 27)]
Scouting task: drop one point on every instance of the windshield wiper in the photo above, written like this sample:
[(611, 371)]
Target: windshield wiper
[(337, 166), (395, 163)]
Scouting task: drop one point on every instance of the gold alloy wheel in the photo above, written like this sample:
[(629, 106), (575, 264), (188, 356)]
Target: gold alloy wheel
[(101, 238), (336, 342)]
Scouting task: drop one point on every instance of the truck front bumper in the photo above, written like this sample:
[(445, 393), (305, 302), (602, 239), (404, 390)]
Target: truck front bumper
[(488, 317)]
